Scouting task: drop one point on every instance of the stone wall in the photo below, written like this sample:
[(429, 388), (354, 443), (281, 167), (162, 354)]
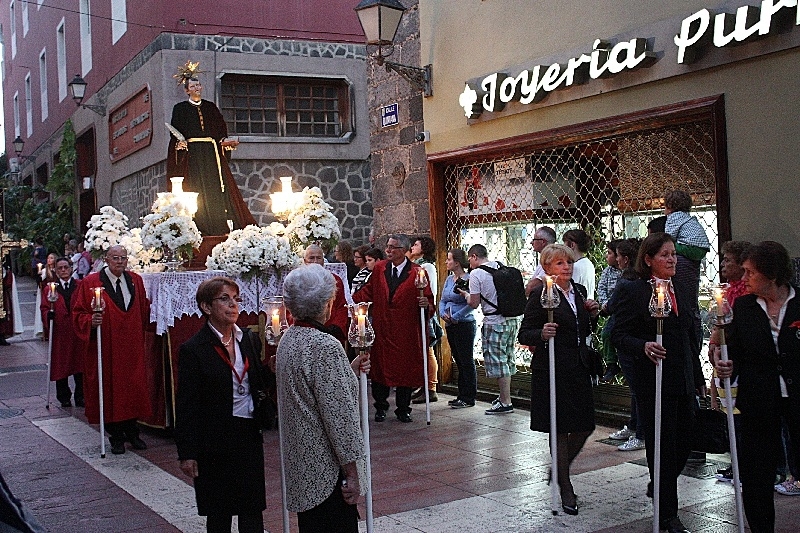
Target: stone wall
[(399, 168), (346, 186)]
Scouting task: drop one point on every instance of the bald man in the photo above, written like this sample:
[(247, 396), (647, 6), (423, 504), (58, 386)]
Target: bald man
[(338, 320)]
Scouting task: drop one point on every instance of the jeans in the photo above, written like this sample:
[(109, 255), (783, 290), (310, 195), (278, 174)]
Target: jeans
[(461, 338), (628, 370)]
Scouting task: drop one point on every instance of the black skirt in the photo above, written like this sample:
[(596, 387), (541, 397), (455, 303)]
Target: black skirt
[(574, 402), (231, 473)]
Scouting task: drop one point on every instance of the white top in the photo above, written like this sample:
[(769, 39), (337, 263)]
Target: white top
[(583, 274), (242, 403), (481, 282), (539, 272), (775, 326), (126, 294), (430, 269)]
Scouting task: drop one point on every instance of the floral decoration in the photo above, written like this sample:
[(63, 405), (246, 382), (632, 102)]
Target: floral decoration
[(105, 230), (312, 221), (141, 259), (170, 226), (253, 252)]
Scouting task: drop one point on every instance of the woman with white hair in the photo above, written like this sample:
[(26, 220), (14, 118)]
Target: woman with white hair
[(318, 406)]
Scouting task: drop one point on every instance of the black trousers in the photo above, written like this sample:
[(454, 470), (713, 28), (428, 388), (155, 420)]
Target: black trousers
[(759, 456), (334, 515), (248, 523), (402, 398), (63, 392), (122, 431)]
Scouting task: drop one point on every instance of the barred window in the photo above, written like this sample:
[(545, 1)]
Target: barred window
[(284, 107)]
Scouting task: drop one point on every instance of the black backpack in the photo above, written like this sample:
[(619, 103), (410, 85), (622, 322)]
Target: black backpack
[(511, 298)]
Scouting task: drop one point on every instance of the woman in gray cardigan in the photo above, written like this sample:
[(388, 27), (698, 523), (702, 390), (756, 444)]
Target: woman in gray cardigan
[(318, 409)]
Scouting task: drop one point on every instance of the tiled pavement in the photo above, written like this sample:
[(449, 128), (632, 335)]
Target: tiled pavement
[(466, 472)]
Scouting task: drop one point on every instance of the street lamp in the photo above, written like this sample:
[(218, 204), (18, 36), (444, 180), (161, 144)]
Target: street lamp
[(19, 146), (78, 89), (379, 20)]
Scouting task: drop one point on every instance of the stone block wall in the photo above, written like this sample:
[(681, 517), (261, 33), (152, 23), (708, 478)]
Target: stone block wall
[(399, 167), (345, 185)]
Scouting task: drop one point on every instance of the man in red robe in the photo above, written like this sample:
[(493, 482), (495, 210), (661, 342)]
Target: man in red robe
[(123, 321), (337, 323), (397, 354), (68, 350)]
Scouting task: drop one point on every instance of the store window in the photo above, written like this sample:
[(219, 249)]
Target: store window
[(610, 185), (285, 107)]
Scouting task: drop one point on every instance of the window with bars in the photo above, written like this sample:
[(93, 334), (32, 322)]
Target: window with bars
[(611, 187), (285, 107)]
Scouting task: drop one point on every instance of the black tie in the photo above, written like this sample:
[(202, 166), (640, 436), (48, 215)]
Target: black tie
[(118, 291), (395, 273)]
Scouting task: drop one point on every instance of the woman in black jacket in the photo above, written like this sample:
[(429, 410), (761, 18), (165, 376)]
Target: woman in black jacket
[(764, 348), (219, 441), (635, 333), (569, 330)]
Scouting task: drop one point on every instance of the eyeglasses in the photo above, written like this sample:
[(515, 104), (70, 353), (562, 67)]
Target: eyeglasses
[(227, 300), (538, 239), (118, 257), (390, 247)]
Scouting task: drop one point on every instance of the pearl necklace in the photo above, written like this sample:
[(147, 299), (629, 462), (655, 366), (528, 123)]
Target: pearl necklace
[(226, 344)]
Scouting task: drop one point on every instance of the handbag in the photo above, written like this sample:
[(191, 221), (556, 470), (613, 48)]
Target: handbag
[(710, 431), (435, 331), (264, 411), (593, 361)]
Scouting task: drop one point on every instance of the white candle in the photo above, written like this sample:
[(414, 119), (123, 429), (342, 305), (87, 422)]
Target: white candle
[(660, 305), (96, 301), (39, 266), (421, 277), (276, 322), (549, 281), (52, 287), (362, 324)]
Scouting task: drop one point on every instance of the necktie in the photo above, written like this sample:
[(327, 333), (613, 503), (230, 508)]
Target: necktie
[(395, 273), (118, 291)]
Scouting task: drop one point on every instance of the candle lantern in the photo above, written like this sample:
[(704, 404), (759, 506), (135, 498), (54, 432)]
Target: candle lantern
[(360, 335), (720, 311), (277, 323), (52, 295), (550, 298), (660, 301), (98, 303), (421, 281)]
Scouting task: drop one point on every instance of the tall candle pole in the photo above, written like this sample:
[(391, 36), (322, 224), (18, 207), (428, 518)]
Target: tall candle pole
[(421, 282), (52, 296), (550, 300), (723, 315), (361, 336), (660, 306), (98, 305)]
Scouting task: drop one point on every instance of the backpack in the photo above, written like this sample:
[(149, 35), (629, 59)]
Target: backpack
[(511, 298)]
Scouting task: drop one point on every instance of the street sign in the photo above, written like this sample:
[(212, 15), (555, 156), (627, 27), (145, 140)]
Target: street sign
[(389, 115)]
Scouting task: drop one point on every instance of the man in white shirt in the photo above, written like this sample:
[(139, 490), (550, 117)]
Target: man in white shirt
[(542, 237), (583, 271), (498, 333)]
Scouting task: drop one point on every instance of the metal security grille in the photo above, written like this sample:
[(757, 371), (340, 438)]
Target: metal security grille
[(611, 187)]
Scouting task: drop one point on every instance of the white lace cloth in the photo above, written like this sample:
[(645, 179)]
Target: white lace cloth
[(172, 294)]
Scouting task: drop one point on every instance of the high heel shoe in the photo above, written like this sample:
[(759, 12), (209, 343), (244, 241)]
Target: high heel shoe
[(569, 503)]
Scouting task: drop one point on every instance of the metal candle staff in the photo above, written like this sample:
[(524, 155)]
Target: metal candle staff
[(723, 315), (273, 334), (660, 307), (550, 300), (52, 296), (361, 336), (420, 282), (98, 305)]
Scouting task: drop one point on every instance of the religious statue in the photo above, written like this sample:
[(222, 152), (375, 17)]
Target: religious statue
[(198, 150)]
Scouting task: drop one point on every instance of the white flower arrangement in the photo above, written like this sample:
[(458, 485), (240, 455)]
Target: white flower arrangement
[(105, 230), (253, 252), (312, 221), (170, 226), (141, 259)]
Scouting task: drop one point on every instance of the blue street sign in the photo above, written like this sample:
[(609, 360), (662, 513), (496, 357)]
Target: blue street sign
[(389, 115)]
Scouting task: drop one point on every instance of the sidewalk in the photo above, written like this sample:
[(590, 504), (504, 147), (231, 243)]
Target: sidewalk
[(466, 472)]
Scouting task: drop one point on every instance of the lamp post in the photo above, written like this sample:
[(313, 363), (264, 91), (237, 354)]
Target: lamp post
[(78, 89), (379, 20)]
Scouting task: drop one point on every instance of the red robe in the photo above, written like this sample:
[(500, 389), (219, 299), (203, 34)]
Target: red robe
[(7, 323), (125, 392), (68, 349), (396, 356)]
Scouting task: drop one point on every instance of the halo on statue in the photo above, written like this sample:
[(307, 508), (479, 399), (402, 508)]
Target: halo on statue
[(188, 71)]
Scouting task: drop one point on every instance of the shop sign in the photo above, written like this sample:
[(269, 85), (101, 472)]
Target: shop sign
[(609, 58), (509, 169), (130, 126), (389, 115)]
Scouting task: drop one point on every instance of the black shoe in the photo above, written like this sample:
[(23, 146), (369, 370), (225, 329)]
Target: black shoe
[(417, 393), (404, 417), (80, 403), (380, 415), (137, 443), (118, 448), (611, 372), (569, 503), (674, 525), (66, 404), (570, 510), (4, 342)]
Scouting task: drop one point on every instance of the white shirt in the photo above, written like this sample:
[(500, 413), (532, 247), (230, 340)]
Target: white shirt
[(481, 282), (242, 403), (775, 326), (583, 274), (399, 268), (126, 293)]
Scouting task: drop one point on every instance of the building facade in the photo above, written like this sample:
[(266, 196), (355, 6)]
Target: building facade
[(289, 78)]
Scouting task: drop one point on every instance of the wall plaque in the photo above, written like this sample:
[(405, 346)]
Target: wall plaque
[(130, 125)]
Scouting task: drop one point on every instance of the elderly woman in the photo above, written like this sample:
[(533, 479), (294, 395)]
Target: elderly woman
[(635, 334), (318, 406), (764, 348), (219, 442), (570, 327)]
